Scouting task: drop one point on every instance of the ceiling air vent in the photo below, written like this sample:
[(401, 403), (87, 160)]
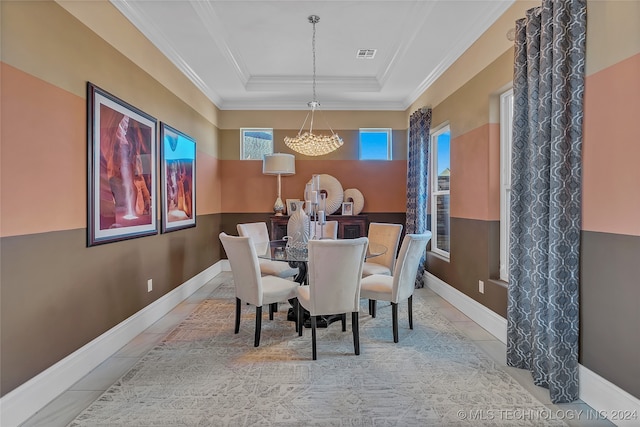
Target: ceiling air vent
[(366, 53)]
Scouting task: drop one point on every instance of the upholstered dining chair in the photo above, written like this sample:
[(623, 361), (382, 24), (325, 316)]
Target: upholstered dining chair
[(335, 271), (251, 287), (400, 286), (389, 236), (260, 235), (330, 230)]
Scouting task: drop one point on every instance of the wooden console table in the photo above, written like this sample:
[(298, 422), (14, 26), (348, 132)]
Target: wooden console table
[(349, 226)]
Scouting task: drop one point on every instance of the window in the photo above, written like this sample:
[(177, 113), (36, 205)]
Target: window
[(506, 126), (440, 175), (255, 143), (375, 144)]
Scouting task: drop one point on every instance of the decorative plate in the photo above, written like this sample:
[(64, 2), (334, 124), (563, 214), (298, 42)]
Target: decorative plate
[(354, 195), (335, 194)]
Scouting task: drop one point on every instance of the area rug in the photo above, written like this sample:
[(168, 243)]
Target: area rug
[(202, 374)]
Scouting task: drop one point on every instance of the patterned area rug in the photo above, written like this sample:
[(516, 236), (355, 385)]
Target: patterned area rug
[(203, 374)]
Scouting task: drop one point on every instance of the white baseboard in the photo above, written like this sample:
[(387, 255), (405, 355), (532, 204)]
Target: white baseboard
[(609, 400), (23, 402), (603, 396), (495, 324)]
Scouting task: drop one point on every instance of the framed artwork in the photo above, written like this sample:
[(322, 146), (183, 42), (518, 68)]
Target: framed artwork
[(178, 179), (347, 208), (291, 205), (121, 169)]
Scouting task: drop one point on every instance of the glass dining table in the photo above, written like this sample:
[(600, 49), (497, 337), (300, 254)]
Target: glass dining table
[(277, 250)]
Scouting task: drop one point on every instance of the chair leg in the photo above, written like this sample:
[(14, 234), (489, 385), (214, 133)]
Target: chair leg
[(256, 341), (313, 337), (343, 317), (394, 320), (411, 312), (372, 307), (237, 329), (356, 332), (273, 307), (299, 319)]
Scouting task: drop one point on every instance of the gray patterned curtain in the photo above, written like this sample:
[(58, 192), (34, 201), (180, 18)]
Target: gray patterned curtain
[(417, 178), (548, 87)]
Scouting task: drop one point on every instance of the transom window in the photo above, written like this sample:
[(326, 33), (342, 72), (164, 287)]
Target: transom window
[(375, 144), (255, 143), (439, 183)]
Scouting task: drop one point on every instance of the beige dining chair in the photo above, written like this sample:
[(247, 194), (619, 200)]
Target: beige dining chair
[(250, 285), (389, 236), (259, 234), (330, 230), (400, 286), (335, 269)]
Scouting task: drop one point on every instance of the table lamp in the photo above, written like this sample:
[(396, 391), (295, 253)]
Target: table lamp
[(279, 164)]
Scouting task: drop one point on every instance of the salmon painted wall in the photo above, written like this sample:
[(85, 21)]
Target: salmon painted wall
[(56, 295), (382, 183)]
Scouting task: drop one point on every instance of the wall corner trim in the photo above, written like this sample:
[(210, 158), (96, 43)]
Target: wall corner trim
[(603, 396), (20, 404)]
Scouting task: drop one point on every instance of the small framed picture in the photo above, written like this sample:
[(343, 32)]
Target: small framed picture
[(347, 208), (291, 206)]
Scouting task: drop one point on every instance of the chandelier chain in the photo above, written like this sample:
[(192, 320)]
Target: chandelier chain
[(313, 49)]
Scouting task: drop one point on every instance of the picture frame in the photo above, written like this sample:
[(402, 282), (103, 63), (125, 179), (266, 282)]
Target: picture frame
[(347, 208), (177, 179), (291, 205), (121, 169)]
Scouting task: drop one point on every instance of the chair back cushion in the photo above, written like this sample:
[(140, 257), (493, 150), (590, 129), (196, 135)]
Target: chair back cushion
[(404, 279), (389, 236), (256, 230), (330, 230), (244, 267), (335, 269)]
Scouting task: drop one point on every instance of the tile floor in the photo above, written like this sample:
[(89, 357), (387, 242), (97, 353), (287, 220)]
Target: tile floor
[(69, 404)]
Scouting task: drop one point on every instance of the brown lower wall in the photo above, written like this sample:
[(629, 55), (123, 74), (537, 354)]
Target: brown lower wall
[(57, 295), (475, 255), (610, 308)]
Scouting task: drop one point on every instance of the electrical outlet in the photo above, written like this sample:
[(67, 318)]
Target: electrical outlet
[(481, 286), (149, 285)]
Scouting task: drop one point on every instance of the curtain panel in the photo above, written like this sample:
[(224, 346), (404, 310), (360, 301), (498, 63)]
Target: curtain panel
[(543, 306), (418, 179)]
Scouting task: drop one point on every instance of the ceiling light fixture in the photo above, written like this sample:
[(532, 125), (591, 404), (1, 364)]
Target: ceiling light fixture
[(307, 143)]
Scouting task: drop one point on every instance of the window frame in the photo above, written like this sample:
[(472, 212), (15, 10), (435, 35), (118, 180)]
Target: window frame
[(506, 144), (242, 141), (435, 192), (387, 131)]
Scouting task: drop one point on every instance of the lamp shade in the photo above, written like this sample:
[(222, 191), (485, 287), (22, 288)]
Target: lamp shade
[(279, 164)]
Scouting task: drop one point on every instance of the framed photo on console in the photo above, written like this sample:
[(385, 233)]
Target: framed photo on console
[(121, 169), (347, 208), (178, 179), (291, 206)]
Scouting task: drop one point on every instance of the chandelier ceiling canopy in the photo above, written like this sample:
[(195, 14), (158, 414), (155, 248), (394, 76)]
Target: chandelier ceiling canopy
[(306, 142)]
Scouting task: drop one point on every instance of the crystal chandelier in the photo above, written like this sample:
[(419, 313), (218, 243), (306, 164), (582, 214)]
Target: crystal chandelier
[(307, 143)]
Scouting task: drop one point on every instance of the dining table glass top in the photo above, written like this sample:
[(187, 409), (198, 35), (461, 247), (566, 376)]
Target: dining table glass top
[(277, 250)]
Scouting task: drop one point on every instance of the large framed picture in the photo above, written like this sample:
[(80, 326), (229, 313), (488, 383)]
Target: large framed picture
[(178, 179), (121, 169)]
